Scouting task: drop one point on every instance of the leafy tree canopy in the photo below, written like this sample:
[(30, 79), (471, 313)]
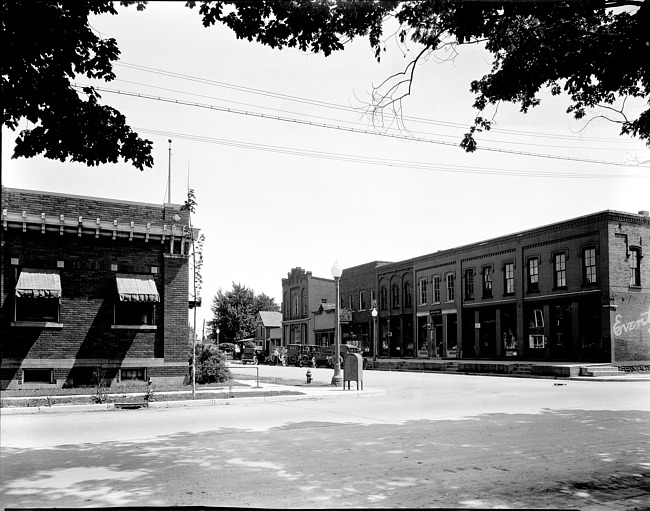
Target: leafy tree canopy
[(234, 312), (597, 52), (45, 45)]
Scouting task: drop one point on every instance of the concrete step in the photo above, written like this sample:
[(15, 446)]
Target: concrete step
[(596, 371), (451, 366)]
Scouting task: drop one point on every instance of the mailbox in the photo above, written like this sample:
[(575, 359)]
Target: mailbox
[(353, 370)]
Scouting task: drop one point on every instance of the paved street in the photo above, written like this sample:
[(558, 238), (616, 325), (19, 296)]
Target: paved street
[(428, 440)]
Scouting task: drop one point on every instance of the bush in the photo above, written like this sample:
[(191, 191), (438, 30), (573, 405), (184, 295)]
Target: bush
[(228, 347), (211, 365)]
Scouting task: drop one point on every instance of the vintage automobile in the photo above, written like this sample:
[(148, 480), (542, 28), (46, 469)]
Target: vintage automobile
[(308, 355), (322, 356), (344, 350), (293, 353), (249, 356)]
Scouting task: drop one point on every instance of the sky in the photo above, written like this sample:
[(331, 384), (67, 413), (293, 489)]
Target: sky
[(290, 171)]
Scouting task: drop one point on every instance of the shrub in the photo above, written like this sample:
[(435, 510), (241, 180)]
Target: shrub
[(211, 365), (228, 347)]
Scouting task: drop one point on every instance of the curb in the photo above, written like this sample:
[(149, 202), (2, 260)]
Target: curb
[(189, 403)]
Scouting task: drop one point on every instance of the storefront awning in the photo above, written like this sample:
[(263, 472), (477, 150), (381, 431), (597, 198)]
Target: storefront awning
[(39, 284), (136, 288)]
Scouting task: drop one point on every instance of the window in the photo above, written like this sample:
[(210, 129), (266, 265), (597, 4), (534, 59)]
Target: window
[(134, 313), (137, 295), (450, 287), (132, 374), (436, 289), (589, 266), (37, 375), (408, 294), (487, 282), (395, 296), (383, 298), (304, 303), (559, 269), (533, 274), (373, 298), (351, 302), (469, 284), (294, 306), (509, 278), (422, 285), (635, 267), (37, 296), (362, 300)]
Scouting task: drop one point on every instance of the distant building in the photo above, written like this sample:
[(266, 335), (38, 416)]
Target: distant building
[(268, 330), (577, 290), (90, 283), (302, 294)]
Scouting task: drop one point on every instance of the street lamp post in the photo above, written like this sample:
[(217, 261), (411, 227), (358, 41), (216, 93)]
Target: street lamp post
[(337, 379), (217, 337), (374, 337)]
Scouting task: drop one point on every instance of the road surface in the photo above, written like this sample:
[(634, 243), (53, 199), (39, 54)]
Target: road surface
[(430, 440)]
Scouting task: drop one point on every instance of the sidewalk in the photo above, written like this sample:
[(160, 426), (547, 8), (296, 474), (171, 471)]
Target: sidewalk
[(307, 392), (504, 368)]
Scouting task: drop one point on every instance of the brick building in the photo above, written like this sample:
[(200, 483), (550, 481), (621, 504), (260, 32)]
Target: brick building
[(358, 295), (576, 290), (302, 296), (92, 283)]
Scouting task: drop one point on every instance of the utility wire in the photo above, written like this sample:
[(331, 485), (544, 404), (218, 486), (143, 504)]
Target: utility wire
[(600, 147), (460, 169), (346, 128), (298, 99)]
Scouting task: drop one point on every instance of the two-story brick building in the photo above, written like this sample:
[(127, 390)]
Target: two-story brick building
[(302, 295), (91, 283), (574, 290)]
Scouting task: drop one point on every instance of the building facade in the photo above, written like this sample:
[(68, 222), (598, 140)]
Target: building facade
[(302, 295), (268, 330), (358, 298), (90, 284), (577, 290)]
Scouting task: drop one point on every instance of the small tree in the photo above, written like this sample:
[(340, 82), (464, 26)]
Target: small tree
[(211, 365), (197, 265)]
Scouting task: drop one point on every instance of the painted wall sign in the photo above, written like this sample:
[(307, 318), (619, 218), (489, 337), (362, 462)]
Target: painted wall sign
[(622, 326), (630, 330)]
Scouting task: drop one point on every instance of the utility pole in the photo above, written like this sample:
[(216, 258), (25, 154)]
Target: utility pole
[(169, 174)]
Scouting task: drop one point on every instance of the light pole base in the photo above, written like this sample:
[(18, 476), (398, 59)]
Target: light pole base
[(337, 379)]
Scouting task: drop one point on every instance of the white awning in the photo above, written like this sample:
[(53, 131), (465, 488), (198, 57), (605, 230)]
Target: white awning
[(39, 284), (136, 288)]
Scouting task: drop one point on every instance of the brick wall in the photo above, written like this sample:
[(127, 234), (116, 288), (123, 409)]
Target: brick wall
[(89, 289)]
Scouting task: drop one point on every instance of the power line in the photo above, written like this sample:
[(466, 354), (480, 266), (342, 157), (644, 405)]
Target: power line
[(387, 162), (347, 128), (389, 130), (324, 104)]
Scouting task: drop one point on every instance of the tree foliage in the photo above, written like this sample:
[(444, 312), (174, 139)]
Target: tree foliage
[(197, 248), (210, 365), (597, 52), (45, 46), (234, 312)]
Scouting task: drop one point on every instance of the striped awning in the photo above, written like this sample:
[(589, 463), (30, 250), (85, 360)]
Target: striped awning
[(136, 288), (38, 284)]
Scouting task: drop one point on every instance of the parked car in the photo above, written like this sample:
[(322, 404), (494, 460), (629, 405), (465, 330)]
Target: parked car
[(344, 349), (293, 353), (322, 356)]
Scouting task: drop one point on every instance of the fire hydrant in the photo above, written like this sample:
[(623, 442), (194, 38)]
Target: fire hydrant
[(308, 375)]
